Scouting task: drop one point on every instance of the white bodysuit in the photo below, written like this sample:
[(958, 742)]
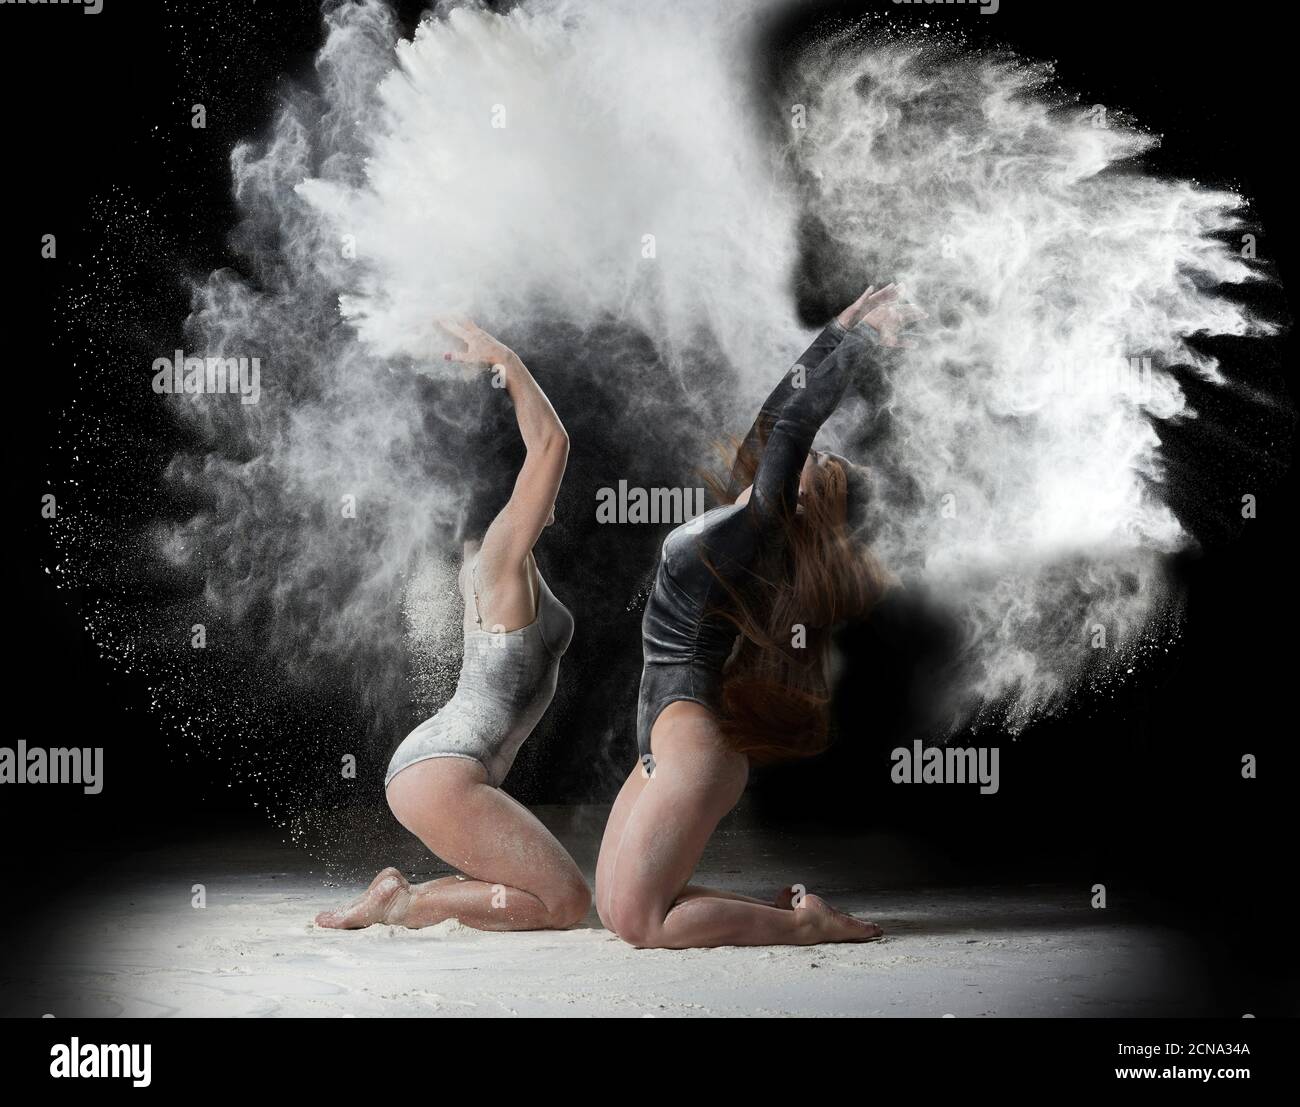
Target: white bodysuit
[(507, 681)]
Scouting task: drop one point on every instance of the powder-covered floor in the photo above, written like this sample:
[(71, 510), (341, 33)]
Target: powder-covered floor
[(136, 947)]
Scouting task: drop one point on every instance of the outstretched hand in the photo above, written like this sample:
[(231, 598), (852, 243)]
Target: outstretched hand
[(481, 349), (884, 310)]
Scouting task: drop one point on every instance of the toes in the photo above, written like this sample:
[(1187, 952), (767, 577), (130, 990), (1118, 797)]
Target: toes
[(870, 930)]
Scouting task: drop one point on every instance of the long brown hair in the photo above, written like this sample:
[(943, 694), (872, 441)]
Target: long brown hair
[(775, 695)]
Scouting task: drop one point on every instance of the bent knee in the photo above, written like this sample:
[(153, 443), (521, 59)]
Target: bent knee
[(603, 912), (638, 922), (570, 905)]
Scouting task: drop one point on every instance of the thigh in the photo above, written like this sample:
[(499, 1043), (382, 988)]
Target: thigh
[(447, 803), (624, 804), (672, 815)]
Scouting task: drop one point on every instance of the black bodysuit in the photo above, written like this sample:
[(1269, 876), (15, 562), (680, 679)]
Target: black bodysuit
[(685, 641)]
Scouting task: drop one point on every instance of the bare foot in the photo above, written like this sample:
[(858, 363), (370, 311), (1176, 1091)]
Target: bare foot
[(376, 904), (830, 925)]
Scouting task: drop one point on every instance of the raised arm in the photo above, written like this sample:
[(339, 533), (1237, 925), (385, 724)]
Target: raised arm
[(776, 484), (514, 532), (768, 414), (863, 333), (878, 307)]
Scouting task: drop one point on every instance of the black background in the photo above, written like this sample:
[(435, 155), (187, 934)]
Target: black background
[(1144, 788)]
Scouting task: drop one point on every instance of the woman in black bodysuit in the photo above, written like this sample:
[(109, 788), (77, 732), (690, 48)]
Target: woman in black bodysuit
[(728, 677)]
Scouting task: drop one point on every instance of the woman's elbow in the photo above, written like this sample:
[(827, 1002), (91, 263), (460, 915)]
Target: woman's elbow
[(556, 442)]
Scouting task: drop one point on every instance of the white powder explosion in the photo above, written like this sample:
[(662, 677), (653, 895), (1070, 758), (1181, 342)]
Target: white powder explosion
[(608, 162)]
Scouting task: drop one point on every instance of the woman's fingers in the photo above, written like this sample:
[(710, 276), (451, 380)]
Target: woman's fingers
[(865, 296), (452, 326), (468, 332), (860, 307), (886, 310), (463, 328)]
